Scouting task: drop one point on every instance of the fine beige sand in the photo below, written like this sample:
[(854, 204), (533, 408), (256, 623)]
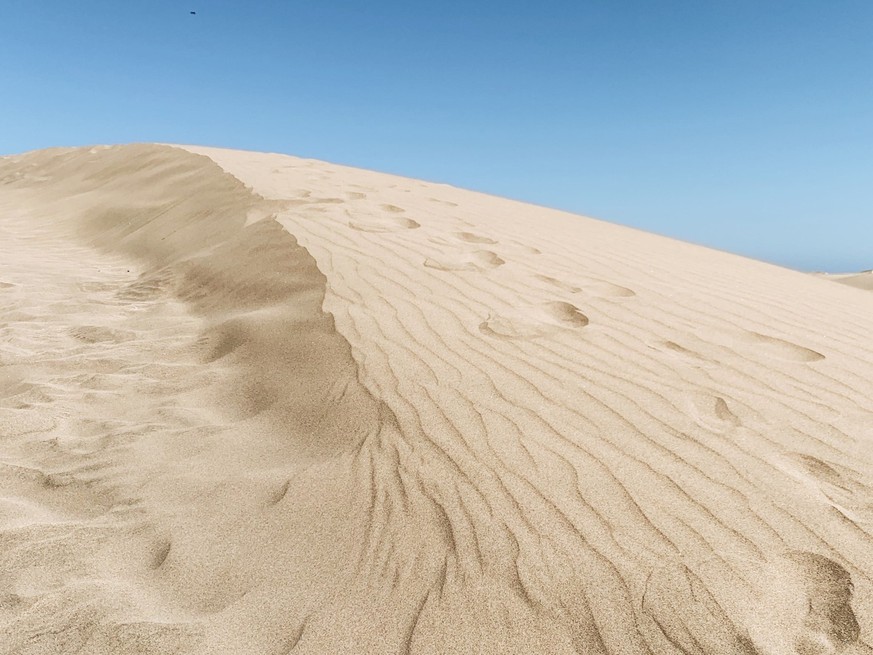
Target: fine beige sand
[(254, 404), (859, 280)]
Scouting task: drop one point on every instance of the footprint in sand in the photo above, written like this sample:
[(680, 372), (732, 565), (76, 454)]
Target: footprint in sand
[(160, 551), (277, 496), (6, 285), (400, 188), (712, 413), (355, 195), (385, 224), (774, 347), (681, 351), (558, 284), (479, 260), (444, 202), (604, 289), (589, 286), (804, 600), (469, 237), (844, 490), (534, 321), (798, 602), (526, 249)]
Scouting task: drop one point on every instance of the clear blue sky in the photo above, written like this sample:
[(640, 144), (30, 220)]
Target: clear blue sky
[(745, 125)]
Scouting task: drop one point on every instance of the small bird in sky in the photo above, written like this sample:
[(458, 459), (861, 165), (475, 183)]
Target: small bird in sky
[(193, 13)]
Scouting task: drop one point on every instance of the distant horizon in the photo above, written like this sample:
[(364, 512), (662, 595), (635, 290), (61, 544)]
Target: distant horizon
[(734, 127)]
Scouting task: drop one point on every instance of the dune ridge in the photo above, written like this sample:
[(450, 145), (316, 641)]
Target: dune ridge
[(256, 404), (862, 280)]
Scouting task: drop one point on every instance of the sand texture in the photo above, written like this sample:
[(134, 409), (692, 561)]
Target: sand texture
[(859, 280), (254, 404)]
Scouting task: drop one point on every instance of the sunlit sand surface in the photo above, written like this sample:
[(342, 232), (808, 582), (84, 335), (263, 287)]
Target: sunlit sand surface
[(255, 404)]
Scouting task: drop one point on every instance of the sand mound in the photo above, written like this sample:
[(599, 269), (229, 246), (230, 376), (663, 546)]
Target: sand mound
[(858, 280), (256, 404)]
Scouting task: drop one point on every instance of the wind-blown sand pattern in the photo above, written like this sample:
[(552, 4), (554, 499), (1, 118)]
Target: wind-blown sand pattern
[(256, 404)]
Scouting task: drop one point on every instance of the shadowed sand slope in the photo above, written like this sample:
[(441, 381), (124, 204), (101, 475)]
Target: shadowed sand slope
[(858, 280), (256, 404)]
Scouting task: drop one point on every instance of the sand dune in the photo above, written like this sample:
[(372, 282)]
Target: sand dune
[(262, 405), (859, 280)]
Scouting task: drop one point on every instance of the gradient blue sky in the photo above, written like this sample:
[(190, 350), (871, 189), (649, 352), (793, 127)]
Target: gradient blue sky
[(744, 125)]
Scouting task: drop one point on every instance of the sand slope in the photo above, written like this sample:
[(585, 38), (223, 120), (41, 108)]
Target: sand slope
[(256, 404), (859, 280)]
